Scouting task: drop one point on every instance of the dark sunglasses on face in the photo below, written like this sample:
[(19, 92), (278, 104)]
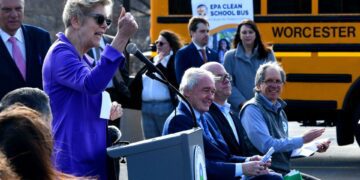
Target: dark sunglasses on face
[(159, 43), (100, 19), (223, 78)]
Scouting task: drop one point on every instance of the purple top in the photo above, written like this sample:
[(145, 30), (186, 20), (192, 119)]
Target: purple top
[(75, 88)]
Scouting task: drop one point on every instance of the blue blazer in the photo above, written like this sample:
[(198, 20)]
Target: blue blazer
[(37, 43), (220, 163), (226, 131), (188, 57)]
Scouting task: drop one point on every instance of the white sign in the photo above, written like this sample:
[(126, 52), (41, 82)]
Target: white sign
[(223, 12)]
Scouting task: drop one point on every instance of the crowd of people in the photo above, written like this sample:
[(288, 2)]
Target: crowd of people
[(62, 131)]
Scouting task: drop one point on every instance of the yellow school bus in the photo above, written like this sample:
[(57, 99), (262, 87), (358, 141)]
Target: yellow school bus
[(318, 44)]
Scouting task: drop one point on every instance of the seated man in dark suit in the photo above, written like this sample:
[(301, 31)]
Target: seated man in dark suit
[(198, 87), (228, 124), (196, 53)]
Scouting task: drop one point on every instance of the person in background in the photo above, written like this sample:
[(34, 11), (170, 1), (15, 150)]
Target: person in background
[(76, 88), (198, 88), (264, 120), (243, 61), (223, 47), (225, 120), (6, 171), (118, 86), (26, 141), (33, 98), (196, 53), (157, 100), (22, 48)]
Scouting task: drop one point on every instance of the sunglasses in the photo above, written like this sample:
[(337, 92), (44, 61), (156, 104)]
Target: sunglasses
[(223, 78), (100, 19), (159, 43)]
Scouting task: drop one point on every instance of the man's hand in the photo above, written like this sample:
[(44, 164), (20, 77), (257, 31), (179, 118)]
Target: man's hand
[(312, 134), (255, 158), (322, 147), (258, 158), (116, 111), (254, 168)]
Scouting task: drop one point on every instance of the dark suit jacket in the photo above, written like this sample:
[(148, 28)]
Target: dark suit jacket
[(220, 163), (120, 92), (189, 56), (136, 85), (37, 43), (226, 131)]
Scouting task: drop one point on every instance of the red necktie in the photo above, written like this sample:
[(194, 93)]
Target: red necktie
[(203, 54), (18, 58)]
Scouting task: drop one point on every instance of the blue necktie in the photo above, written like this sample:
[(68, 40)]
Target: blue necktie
[(206, 130)]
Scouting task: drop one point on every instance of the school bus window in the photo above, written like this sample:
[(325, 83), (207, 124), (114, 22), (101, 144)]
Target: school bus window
[(289, 6), (339, 6), (256, 5), (180, 7)]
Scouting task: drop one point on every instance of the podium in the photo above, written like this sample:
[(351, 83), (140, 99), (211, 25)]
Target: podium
[(175, 156)]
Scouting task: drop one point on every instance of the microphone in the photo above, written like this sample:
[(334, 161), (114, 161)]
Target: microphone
[(132, 49), (114, 134)]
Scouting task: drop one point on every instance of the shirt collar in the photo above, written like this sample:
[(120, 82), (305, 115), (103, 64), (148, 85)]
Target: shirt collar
[(199, 47), (268, 103), (224, 108), (197, 113), (164, 61), (18, 35)]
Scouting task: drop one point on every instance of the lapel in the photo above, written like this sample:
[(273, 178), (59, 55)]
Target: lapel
[(196, 59), (225, 129)]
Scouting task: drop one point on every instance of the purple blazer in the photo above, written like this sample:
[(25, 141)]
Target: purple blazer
[(75, 88)]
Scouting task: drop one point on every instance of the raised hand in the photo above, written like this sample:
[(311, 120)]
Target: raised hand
[(312, 134), (127, 26)]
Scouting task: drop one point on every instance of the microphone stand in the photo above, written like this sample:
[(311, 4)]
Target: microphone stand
[(164, 80)]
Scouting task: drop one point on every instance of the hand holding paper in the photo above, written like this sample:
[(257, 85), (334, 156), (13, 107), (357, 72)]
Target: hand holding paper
[(310, 148), (323, 145), (116, 111)]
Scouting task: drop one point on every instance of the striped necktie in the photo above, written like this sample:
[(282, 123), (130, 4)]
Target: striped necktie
[(203, 54)]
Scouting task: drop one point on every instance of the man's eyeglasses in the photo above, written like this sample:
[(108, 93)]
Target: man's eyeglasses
[(159, 43), (223, 78), (273, 82), (100, 19)]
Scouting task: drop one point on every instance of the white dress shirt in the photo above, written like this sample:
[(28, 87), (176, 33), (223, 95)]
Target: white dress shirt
[(19, 40)]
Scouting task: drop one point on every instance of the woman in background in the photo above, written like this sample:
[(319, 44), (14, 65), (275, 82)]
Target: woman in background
[(157, 100), (243, 61), (223, 47)]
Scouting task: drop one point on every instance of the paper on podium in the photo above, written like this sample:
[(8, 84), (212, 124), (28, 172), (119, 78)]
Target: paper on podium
[(308, 149)]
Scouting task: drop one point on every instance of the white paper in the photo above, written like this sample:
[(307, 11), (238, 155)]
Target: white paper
[(105, 105), (307, 149)]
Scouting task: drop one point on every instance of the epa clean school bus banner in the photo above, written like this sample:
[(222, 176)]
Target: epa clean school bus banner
[(223, 12)]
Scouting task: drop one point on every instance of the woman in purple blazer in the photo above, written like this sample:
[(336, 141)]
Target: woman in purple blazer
[(76, 88)]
